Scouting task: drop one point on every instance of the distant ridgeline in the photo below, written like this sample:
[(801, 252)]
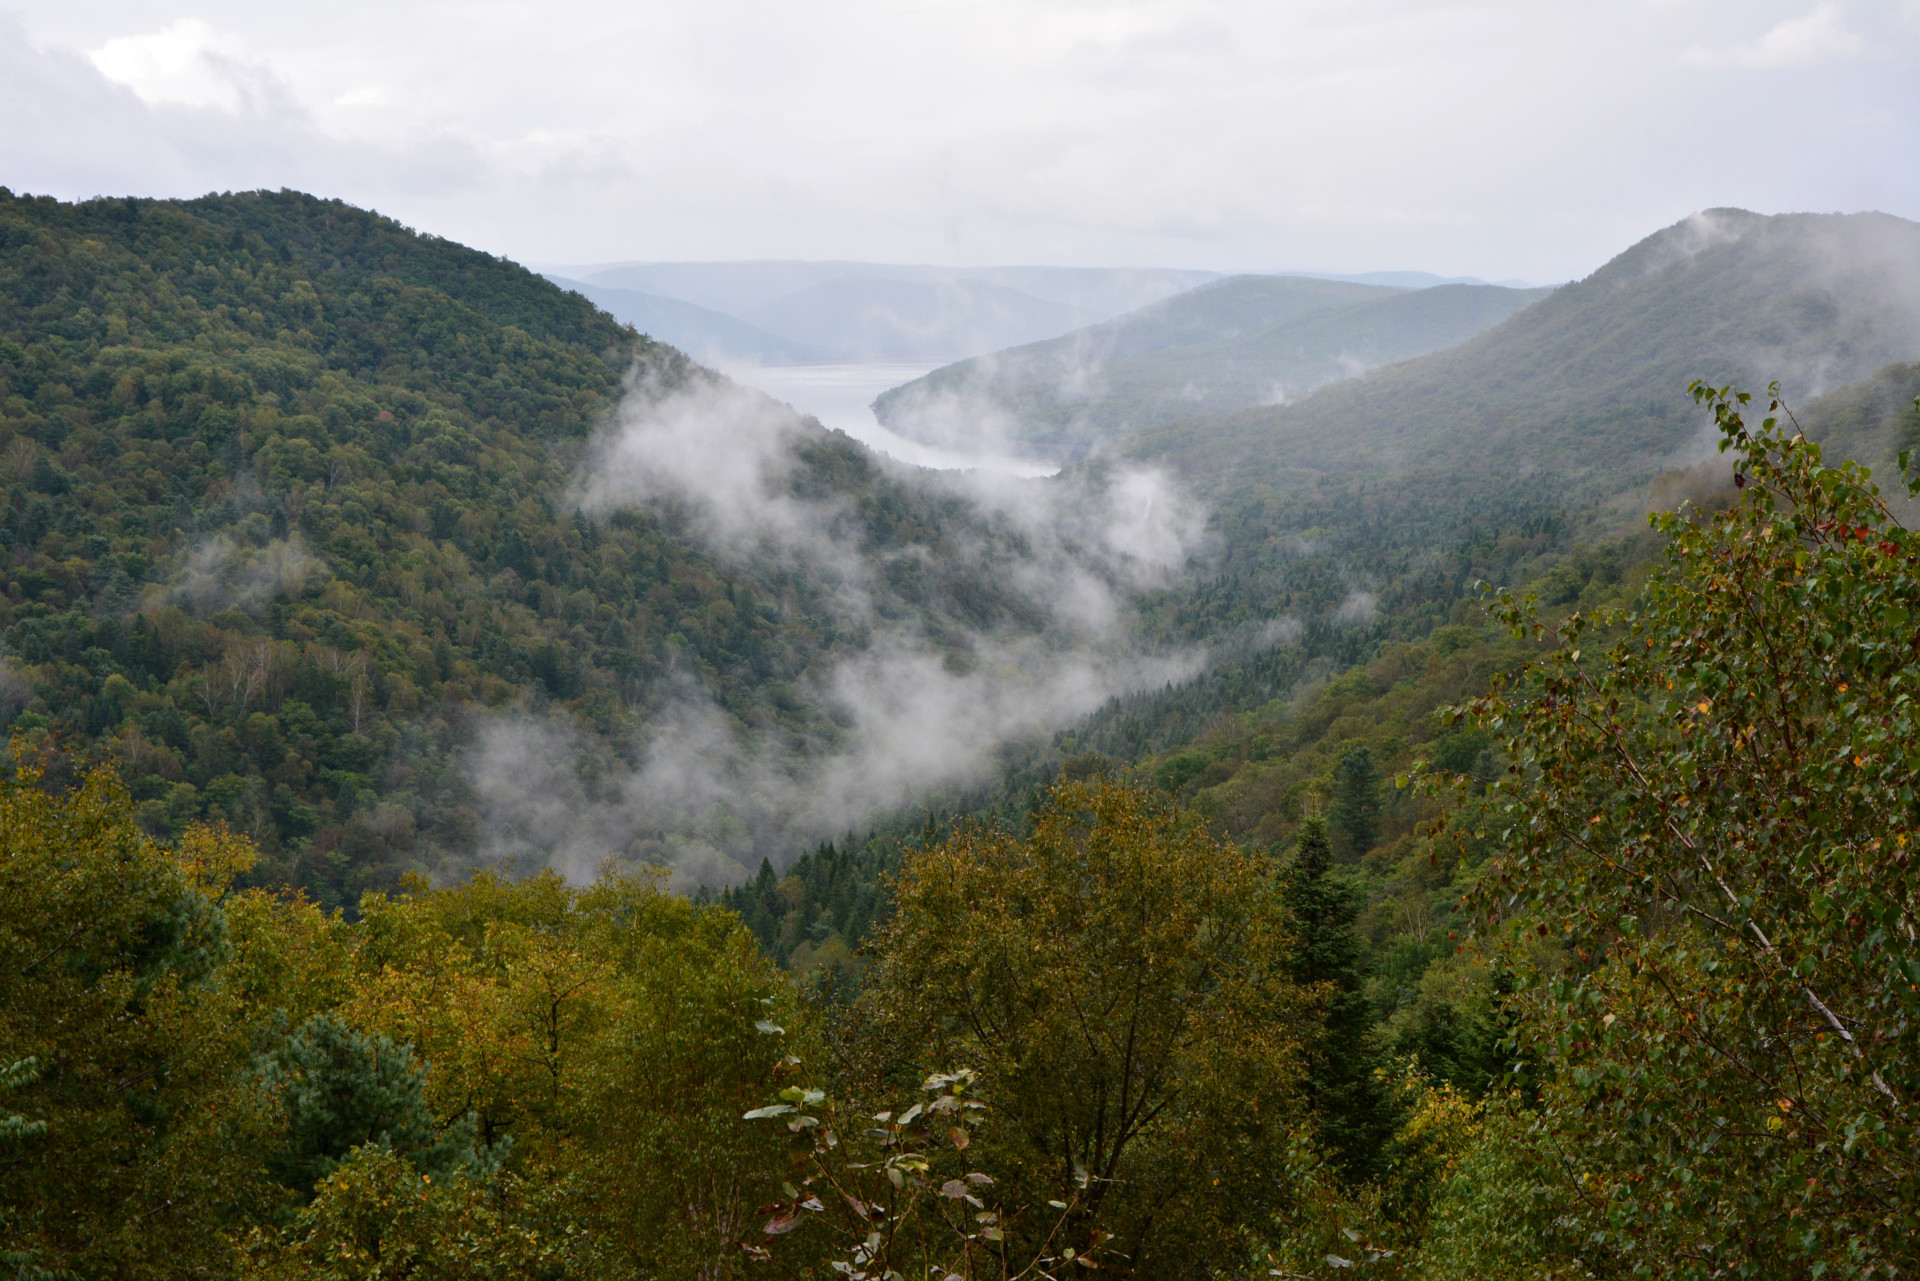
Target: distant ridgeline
[(1226, 345), (285, 507)]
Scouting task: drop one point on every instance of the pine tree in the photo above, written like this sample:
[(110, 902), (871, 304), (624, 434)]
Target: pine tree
[(1349, 1106), (1354, 814), (341, 1088)]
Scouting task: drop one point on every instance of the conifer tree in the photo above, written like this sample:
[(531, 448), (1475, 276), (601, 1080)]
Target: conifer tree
[(342, 1088), (1354, 814), (1349, 1106)]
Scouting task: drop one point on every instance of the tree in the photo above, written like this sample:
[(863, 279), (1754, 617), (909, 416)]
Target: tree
[(341, 1088), (1123, 983), (110, 950), (602, 1029), (18, 1265), (1710, 833), (377, 1218), (1350, 1109), (1354, 814)]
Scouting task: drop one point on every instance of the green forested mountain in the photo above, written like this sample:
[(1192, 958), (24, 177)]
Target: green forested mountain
[(1580, 387), (1398, 489), (288, 506), (1231, 344)]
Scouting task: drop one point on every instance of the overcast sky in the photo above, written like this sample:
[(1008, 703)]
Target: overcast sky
[(1529, 139)]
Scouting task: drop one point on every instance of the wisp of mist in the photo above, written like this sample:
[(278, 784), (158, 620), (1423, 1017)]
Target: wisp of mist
[(709, 798)]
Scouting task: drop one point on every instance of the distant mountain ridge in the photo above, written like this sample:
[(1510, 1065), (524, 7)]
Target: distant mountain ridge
[(1406, 279), (710, 336), (866, 319), (858, 311), (1587, 384), (1226, 345), (822, 312)]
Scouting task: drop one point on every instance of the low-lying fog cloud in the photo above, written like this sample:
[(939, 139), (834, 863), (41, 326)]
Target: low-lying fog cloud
[(710, 798), (221, 573)]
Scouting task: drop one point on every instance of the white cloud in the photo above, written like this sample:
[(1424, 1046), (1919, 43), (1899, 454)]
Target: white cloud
[(1358, 607), (1813, 38), (187, 63)]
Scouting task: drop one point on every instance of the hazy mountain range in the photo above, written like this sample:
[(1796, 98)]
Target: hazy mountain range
[(1226, 345), (1585, 388), (745, 313), (812, 312)]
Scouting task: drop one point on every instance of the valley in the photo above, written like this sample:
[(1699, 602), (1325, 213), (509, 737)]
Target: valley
[(861, 695)]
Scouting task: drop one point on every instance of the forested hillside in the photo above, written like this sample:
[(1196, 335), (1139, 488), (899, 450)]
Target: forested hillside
[(1329, 708), (1228, 345), (1395, 491), (1615, 980), (293, 501), (1326, 566)]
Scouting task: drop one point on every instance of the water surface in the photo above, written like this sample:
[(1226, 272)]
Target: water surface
[(841, 397)]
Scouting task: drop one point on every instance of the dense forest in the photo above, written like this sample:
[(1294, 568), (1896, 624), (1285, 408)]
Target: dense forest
[(289, 508), (1561, 927)]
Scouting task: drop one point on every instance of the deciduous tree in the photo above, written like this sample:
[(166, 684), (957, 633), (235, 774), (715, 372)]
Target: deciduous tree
[(1122, 981)]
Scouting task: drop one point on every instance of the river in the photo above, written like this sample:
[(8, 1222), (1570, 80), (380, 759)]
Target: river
[(841, 397)]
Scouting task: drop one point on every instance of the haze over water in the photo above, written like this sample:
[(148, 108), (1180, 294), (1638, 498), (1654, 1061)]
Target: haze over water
[(841, 396)]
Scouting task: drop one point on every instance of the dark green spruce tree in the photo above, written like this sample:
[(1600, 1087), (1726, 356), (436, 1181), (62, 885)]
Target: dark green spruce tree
[(1351, 1110), (1354, 814)]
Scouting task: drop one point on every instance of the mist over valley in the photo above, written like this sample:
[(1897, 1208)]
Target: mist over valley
[(967, 641)]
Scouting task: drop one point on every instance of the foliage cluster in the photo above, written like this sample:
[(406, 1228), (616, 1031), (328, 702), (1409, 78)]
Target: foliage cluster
[(499, 1079), (529, 1079), (1124, 980), (1712, 820)]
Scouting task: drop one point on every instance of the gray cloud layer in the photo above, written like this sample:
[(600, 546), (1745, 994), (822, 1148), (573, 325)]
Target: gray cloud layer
[(1498, 138)]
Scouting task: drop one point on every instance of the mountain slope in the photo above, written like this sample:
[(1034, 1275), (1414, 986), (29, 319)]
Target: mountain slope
[(1388, 496), (1586, 384), (1226, 346), (392, 554), (703, 334)]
